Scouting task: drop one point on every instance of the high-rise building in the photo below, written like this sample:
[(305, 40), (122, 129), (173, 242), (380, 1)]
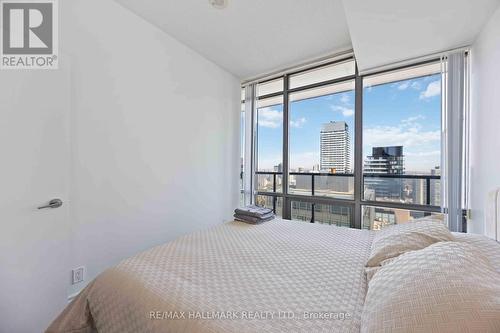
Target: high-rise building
[(385, 160), (418, 191), (435, 187), (335, 149)]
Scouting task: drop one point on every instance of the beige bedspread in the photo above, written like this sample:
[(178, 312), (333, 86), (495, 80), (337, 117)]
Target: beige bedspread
[(280, 276)]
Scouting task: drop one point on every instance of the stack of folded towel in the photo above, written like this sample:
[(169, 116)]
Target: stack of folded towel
[(253, 214)]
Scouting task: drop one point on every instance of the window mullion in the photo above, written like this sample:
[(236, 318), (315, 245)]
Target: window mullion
[(286, 202), (358, 151)]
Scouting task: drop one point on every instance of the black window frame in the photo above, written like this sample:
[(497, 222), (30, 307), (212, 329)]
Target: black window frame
[(358, 202)]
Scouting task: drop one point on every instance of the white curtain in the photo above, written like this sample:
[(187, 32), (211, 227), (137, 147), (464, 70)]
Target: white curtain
[(249, 144), (454, 110)]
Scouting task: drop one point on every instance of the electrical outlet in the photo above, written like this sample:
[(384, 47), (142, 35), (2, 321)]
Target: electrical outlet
[(78, 275)]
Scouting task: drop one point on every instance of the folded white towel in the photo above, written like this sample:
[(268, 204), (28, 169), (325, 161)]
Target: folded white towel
[(253, 210), (252, 219)]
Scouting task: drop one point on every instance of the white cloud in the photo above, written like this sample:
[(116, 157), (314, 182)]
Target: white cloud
[(345, 99), (346, 111), (433, 89), (267, 117), (416, 85), (408, 84), (298, 123), (412, 120), (404, 85), (420, 146), (422, 161), (402, 135), (424, 153)]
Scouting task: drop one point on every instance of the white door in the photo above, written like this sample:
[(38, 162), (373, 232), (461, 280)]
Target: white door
[(34, 168)]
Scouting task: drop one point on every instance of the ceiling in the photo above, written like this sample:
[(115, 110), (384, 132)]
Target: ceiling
[(254, 37), (387, 31), (251, 37)]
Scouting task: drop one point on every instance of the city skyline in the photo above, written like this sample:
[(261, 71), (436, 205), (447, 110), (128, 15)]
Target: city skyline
[(410, 117)]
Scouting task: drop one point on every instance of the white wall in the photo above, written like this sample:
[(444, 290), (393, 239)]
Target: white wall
[(485, 122), (154, 130), (155, 135)]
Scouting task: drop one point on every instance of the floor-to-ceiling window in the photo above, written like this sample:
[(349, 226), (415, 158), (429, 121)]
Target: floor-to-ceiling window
[(321, 144), (321, 141), (338, 148), (269, 143), (401, 144), (305, 142)]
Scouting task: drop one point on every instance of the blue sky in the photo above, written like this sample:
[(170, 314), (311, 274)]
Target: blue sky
[(404, 113)]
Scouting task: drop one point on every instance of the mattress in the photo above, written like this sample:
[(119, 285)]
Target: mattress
[(279, 276)]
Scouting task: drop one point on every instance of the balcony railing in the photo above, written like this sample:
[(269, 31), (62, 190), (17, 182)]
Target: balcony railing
[(314, 175), (426, 178)]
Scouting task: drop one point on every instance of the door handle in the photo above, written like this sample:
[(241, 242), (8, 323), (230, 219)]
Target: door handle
[(54, 203)]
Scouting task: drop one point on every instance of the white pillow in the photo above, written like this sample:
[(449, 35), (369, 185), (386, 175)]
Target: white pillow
[(396, 239), (446, 287)]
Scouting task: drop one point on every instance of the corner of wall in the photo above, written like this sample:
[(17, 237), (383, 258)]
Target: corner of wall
[(485, 103)]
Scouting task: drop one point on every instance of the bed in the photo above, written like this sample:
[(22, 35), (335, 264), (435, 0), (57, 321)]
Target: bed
[(279, 276)]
